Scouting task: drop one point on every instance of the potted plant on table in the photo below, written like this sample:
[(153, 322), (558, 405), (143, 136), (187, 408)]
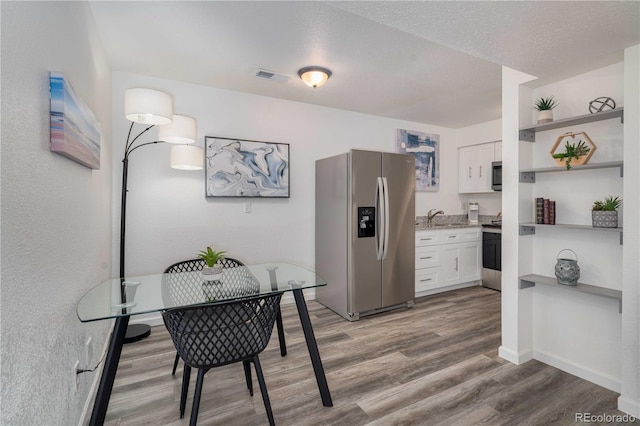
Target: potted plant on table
[(604, 214), (212, 271), (545, 107)]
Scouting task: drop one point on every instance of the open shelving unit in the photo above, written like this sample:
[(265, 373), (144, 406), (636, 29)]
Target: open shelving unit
[(529, 228), (530, 280), (529, 175), (528, 133)]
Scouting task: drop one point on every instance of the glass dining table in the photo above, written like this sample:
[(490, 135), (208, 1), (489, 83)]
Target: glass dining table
[(122, 298)]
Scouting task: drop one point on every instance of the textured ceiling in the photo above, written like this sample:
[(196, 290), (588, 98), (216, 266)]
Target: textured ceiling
[(430, 62)]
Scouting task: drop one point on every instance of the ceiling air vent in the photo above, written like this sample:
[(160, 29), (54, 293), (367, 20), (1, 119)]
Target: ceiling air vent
[(273, 76)]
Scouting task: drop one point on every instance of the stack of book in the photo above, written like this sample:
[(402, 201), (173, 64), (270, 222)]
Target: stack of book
[(545, 211)]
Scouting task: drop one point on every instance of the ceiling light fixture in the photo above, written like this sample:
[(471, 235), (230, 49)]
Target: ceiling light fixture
[(314, 76)]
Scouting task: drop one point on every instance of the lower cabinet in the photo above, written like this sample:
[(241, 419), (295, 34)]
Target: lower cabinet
[(446, 258)]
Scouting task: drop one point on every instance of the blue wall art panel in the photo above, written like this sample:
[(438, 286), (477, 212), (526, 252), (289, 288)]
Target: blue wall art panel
[(243, 168), (75, 132), (426, 148)]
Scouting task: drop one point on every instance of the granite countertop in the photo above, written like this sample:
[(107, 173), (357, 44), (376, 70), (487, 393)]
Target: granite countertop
[(435, 226), (450, 222)]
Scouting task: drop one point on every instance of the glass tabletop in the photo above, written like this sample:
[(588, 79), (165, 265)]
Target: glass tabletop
[(152, 293)]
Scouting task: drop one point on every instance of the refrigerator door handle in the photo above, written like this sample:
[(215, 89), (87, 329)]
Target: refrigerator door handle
[(381, 219), (386, 217)]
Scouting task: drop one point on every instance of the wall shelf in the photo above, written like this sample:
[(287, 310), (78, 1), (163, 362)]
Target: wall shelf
[(529, 175), (528, 133), (529, 228), (531, 280)]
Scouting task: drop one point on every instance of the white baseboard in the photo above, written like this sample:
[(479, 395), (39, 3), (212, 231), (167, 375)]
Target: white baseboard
[(629, 406), (601, 379), (515, 357), (447, 288)]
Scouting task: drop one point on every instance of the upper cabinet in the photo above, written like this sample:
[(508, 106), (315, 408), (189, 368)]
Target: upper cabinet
[(474, 167)]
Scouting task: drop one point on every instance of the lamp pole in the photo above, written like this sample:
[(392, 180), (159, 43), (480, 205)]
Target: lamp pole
[(135, 332)]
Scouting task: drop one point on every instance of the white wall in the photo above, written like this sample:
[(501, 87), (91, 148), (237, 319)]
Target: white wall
[(579, 333), (629, 400), (169, 218), (56, 233), (599, 255), (517, 340)]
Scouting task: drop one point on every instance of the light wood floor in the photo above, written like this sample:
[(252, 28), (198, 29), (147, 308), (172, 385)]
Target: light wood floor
[(434, 364)]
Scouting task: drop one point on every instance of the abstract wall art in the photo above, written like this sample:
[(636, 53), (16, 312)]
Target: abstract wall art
[(245, 168), (426, 148), (75, 132)]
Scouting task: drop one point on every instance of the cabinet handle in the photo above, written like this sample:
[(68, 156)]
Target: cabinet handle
[(427, 257), (428, 279), (480, 171), (469, 172), (456, 263), (453, 236), (426, 239)]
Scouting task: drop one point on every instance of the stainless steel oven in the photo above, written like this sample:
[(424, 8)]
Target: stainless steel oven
[(496, 175), (492, 256)]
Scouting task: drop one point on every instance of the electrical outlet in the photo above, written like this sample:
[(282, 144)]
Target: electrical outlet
[(88, 352), (247, 206), (76, 375)]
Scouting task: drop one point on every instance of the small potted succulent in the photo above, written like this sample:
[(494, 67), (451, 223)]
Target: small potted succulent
[(545, 107), (212, 271), (604, 214)]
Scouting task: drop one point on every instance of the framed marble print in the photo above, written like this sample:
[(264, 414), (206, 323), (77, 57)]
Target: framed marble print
[(246, 168)]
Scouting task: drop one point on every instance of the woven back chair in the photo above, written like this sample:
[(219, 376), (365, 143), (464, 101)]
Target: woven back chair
[(214, 335), (183, 287)]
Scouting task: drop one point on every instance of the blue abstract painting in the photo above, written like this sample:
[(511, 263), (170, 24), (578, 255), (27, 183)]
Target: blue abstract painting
[(75, 132), (244, 168), (426, 148)]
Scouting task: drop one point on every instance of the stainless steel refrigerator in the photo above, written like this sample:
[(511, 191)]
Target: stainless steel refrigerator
[(365, 232)]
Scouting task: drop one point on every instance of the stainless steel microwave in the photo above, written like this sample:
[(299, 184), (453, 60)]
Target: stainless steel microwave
[(496, 175)]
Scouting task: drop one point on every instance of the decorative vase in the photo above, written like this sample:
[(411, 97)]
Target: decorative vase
[(545, 116), (212, 273), (567, 270), (604, 219)]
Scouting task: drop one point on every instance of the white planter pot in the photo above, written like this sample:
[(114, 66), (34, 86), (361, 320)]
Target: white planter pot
[(212, 273), (545, 116)]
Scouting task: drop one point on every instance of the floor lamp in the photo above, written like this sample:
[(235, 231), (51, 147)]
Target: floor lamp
[(153, 108)]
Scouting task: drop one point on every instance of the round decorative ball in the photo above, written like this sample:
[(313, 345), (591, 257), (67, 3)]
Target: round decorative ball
[(602, 103)]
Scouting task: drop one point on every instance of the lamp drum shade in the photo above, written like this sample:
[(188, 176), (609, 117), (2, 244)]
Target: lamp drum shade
[(181, 130), (187, 157), (148, 106)]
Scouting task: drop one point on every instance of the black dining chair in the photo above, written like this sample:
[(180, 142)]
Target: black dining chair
[(218, 334), (179, 289)]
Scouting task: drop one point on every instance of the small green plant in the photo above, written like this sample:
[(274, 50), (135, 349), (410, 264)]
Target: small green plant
[(571, 151), (543, 104), (609, 204), (211, 257)]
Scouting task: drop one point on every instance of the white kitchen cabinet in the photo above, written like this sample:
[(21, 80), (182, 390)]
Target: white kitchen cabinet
[(497, 151), (447, 259), (474, 168)]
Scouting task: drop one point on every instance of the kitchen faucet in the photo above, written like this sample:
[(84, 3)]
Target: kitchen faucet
[(430, 215)]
